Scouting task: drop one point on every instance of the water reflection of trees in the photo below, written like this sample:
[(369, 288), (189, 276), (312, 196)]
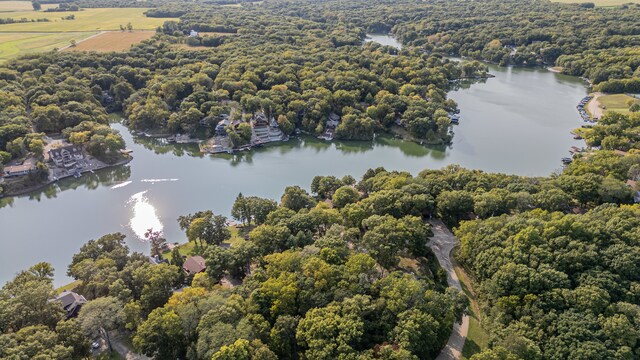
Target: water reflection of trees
[(160, 146), (89, 181), (465, 83)]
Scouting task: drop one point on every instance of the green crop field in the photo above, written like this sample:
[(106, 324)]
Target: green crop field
[(599, 2), (86, 20), (13, 44)]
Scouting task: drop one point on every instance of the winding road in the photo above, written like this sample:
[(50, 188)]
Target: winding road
[(442, 243)]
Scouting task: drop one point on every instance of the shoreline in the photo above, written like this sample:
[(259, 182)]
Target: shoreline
[(593, 106), (45, 184)]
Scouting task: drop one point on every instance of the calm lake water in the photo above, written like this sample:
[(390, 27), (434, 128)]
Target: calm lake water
[(518, 122), (384, 40)]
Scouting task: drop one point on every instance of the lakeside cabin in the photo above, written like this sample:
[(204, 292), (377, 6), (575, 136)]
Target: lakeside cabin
[(66, 156), (19, 170), (71, 302), (194, 265)]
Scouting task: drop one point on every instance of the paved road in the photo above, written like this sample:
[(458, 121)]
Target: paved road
[(442, 243)]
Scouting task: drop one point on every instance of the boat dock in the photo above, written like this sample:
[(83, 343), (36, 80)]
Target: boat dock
[(586, 117)]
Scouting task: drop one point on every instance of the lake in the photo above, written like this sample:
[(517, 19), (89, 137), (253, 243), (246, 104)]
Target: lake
[(383, 39), (517, 122)]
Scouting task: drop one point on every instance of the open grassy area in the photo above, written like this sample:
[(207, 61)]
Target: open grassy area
[(7, 6), (14, 44), (70, 286), (86, 20), (189, 248), (30, 37), (616, 102), (599, 2), (112, 41), (477, 338)]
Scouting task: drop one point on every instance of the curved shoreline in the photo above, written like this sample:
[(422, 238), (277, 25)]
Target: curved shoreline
[(43, 185)]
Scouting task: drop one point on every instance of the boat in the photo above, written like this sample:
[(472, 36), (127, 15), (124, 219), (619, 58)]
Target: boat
[(567, 160)]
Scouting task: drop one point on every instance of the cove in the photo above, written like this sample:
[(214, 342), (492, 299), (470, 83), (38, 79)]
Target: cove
[(517, 122)]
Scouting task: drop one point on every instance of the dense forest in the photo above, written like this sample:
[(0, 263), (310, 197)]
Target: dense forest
[(343, 271), (310, 281)]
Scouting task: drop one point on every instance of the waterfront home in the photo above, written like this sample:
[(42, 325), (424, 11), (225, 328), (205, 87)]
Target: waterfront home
[(19, 170), (634, 186), (193, 265), (260, 119), (221, 128), (66, 156), (71, 302), (333, 121)]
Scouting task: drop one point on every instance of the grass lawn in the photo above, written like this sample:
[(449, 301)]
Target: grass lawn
[(189, 248), (69, 286), (599, 2), (86, 20), (616, 102), (14, 44), (477, 338)]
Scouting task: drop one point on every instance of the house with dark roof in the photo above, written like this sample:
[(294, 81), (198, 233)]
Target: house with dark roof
[(71, 302), (66, 156), (193, 265)]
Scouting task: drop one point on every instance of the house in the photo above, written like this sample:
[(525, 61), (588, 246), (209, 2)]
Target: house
[(66, 156), (193, 33), (19, 170), (193, 265), (221, 128), (71, 302), (634, 185), (260, 119), (333, 121)]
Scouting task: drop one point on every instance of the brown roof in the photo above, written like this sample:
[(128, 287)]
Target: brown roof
[(194, 265), (19, 168), (620, 152), (632, 183)]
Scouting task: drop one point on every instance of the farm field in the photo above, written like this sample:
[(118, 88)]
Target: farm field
[(599, 2), (14, 44), (6, 6), (86, 20), (112, 41)]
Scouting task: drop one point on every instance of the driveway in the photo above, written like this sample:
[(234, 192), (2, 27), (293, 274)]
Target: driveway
[(121, 348), (442, 243)]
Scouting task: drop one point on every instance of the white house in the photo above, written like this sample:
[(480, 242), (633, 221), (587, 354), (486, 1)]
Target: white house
[(66, 156)]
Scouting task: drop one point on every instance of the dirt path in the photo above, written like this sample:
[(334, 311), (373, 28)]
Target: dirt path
[(442, 243), (85, 39), (593, 106), (124, 351)]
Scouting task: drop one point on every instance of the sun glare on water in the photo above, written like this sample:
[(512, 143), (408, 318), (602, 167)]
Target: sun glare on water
[(144, 215)]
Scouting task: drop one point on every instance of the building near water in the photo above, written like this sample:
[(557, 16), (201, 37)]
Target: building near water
[(193, 265), (71, 302), (66, 156), (19, 170)]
